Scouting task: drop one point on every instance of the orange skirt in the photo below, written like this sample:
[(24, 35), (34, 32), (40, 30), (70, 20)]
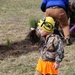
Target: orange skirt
[(46, 67)]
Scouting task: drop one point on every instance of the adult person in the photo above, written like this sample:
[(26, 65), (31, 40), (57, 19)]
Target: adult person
[(57, 9)]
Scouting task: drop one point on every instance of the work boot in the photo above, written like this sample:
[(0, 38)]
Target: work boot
[(68, 41)]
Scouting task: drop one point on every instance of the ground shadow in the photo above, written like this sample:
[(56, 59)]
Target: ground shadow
[(17, 48)]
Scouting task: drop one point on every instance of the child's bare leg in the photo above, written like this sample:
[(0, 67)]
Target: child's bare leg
[(37, 73)]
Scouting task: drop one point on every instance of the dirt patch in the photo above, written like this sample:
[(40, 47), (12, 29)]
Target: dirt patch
[(17, 48)]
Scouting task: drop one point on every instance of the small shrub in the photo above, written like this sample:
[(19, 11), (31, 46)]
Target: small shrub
[(8, 42), (33, 22)]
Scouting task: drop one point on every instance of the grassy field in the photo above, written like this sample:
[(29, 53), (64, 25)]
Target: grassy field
[(14, 18), (21, 58)]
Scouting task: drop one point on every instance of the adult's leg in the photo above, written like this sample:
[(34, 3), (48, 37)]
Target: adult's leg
[(65, 27), (60, 14)]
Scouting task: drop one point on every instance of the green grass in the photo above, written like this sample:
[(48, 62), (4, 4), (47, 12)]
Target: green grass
[(14, 24)]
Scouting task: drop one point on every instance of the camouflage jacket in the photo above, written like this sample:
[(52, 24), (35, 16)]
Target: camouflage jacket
[(51, 48)]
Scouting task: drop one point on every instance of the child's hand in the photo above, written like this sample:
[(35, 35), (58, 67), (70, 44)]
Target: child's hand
[(56, 66)]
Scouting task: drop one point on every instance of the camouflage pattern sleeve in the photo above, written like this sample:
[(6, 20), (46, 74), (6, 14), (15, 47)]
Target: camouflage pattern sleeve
[(59, 50)]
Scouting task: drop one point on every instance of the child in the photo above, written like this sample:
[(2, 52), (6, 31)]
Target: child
[(51, 50)]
